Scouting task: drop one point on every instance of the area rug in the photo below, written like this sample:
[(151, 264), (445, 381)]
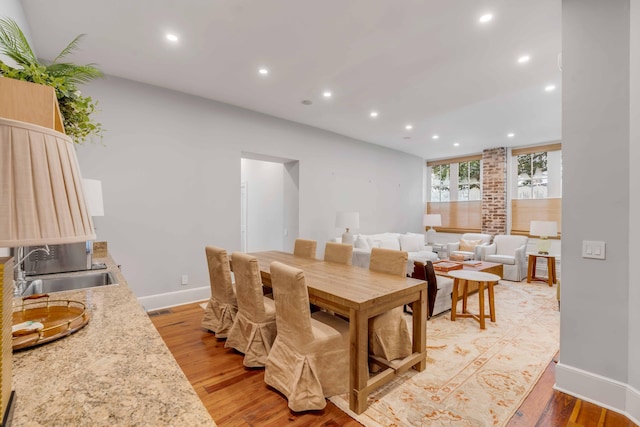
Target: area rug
[(473, 377)]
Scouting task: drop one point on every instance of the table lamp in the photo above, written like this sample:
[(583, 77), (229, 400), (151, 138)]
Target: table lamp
[(41, 203), (543, 229), (432, 220), (347, 220)]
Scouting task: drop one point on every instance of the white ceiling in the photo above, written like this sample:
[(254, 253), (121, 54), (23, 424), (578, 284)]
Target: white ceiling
[(429, 63)]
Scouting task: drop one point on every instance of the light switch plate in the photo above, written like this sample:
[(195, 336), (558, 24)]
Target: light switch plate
[(593, 249)]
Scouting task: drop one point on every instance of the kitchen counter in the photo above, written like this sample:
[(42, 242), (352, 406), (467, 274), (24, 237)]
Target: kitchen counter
[(114, 371)]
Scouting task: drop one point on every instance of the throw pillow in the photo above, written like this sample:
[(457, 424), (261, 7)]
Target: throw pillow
[(373, 243), (469, 245), (390, 244), (412, 242), (361, 243)]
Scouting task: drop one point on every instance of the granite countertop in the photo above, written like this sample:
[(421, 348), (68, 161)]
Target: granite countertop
[(114, 371)]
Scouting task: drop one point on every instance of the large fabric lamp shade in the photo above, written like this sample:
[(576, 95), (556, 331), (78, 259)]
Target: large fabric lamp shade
[(41, 193)]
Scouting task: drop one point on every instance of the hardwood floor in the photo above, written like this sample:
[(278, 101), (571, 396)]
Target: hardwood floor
[(237, 396)]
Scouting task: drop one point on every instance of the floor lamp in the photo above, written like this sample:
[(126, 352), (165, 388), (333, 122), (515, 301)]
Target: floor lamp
[(41, 203)]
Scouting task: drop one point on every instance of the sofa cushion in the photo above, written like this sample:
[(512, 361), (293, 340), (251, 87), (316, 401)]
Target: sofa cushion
[(469, 245), (373, 243), (502, 259), (412, 242), (361, 243), (390, 244)]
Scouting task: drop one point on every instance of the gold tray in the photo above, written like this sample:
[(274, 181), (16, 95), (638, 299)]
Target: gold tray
[(59, 317)]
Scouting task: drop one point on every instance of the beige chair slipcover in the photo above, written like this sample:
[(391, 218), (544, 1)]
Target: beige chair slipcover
[(254, 329), (389, 335), (340, 253), (310, 356), (305, 248), (222, 307)]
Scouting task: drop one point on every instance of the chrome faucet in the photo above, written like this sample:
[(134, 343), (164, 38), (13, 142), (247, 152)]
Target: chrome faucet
[(20, 278)]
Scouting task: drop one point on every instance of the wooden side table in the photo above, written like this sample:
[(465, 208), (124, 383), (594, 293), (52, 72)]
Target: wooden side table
[(551, 268), (482, 279)]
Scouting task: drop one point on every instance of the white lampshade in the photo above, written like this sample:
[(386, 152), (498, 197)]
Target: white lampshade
[(93, 196), (543, 228), (41, 195), (348, 219), (432, 220)]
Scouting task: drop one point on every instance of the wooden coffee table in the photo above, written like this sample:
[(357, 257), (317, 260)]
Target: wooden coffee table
[(484, 266)]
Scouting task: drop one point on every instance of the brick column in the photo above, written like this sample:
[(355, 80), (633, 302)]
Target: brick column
[(494, 191)]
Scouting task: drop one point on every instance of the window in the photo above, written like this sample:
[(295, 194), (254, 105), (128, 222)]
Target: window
[(440, 183), (539, 172), (537, 190), (456, 193), (455, 179), (469, 180)]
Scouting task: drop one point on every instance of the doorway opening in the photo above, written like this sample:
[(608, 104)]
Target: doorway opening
[(269, 202)]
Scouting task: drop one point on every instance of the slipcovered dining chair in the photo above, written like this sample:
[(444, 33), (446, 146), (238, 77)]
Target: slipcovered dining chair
[(340, 253), (254, 329), (222, 307), (389, 336), (310, 356), (305, 248)]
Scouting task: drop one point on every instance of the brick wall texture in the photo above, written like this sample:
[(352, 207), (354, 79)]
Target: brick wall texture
[(494, 191)]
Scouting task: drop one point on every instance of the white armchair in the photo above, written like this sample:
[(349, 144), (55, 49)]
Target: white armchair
[(509, 251), (469, 245)]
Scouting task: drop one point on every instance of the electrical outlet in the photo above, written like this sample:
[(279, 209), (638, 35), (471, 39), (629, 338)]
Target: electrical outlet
[(185, 279)]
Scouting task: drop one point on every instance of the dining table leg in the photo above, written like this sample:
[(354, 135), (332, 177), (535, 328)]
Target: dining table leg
[(358, 360), (419, 308)]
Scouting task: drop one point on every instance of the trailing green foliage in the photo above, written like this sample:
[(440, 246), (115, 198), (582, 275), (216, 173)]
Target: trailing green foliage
[(62, 76)]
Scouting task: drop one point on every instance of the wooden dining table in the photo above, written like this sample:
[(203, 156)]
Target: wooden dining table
[(360, 294)]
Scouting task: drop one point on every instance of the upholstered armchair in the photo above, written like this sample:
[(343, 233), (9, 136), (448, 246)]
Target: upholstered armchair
[(469, 245), (509, 251)]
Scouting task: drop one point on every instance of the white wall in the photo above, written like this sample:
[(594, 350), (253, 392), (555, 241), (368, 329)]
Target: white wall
[(595, 338), (633, 396), (265, 210), (170, 170), (13, 9)]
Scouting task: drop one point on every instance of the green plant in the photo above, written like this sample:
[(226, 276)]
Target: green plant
[(64, 77)]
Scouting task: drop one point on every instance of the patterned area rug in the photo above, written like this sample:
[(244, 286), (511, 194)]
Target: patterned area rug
[(473, 377)]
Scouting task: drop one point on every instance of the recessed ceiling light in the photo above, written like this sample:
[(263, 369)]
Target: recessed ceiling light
[(373, 114), (172, 37), (456, 144), (435, 137), (550, 88), (408, 127), (263, 71), (327, 94), (485, 18), (511, 135), (523, 59)]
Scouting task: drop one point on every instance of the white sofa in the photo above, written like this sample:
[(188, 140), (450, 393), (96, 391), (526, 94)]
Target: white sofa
[(468, 240), (511, 252), (412, 243)]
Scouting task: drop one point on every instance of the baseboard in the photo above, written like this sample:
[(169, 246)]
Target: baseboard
[(171, 299), (602, 391), (633, 404)]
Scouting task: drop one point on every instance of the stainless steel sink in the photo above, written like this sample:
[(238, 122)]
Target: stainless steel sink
[(48, 285)]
